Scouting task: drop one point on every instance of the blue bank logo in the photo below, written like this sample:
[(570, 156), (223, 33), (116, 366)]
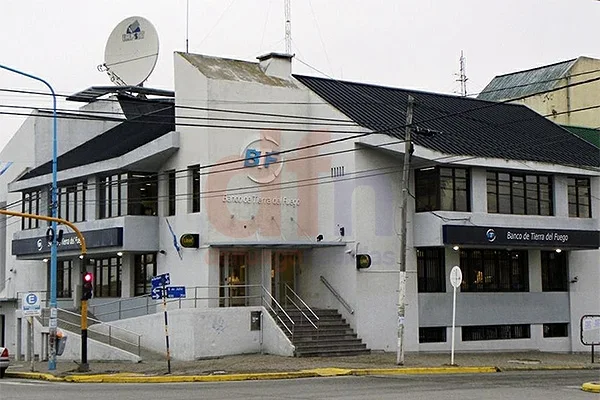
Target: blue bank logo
[(490, 235), (262, 156)]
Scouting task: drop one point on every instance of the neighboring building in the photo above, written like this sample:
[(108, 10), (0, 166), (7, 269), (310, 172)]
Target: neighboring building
[(575, 105), (489, 192)]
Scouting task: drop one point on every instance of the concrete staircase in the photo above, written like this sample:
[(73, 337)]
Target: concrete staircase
[(333, 336)]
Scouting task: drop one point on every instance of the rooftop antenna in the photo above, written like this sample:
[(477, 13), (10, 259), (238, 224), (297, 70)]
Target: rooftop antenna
[(462, 77), (288, 26), (131, 52), (187, 26)]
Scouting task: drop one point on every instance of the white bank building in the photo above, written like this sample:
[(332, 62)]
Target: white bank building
[(256, 190)]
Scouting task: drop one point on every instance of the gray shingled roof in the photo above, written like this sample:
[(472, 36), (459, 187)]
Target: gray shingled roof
[(469, 127), (523, 83)]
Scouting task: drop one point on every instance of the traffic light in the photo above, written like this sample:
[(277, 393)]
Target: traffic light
[(88, 286)]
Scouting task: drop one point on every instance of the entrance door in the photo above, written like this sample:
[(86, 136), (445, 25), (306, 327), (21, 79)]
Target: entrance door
[(283, 272), (232, 272)]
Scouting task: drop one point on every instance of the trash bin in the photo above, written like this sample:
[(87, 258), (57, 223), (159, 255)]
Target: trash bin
[(61, 342)]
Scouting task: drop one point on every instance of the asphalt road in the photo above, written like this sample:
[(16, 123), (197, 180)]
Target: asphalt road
[(531, 385)]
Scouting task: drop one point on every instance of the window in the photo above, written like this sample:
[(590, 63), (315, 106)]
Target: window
[(494, 271), (145, 269), (522, 194), (495, 332), (435, 334), (194, 176), (579, 197), (172, 192), (554, 271), (31, 205), (71, 202), (556, 330), (431, 270), (442, 188), (64, 270), (128, 194), (107, 276)]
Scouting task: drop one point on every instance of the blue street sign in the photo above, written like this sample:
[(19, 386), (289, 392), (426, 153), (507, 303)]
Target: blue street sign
[(161, 280), (156, 293), (175, 292)]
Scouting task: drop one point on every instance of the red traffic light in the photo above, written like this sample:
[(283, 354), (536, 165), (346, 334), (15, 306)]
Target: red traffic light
[(88, 277)]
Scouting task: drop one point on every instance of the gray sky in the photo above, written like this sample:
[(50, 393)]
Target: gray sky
[(412, 44)]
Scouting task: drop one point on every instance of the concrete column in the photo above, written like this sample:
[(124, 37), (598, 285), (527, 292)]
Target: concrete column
[(91, 199), (561, 197), (19, 349), (478, 190)]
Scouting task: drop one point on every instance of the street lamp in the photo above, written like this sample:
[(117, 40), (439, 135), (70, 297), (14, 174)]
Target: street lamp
[(53, 247)]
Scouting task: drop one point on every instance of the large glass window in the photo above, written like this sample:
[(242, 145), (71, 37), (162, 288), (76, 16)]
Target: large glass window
[(107, 276), (64, 271), (436, 334), (442, 188), (172, 192), (31, 205), (494, 271), (522, 194), (145, 269), (495, 332), (580, 197), (556, 330), (554, 271), (128, 194), (431, 270), (71, 202)]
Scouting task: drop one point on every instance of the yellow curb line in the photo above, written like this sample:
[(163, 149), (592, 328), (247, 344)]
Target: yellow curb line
[(424, 370), (34, 375), (187, 378), (593, 387)]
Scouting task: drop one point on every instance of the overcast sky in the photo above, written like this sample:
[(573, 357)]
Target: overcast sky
[(411, 44)]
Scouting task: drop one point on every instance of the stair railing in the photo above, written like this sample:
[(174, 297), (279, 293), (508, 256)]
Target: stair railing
[(337, 295), (294, 299), (289, 325), (113, 333)]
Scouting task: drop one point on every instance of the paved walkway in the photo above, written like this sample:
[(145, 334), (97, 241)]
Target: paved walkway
[(269, 364)]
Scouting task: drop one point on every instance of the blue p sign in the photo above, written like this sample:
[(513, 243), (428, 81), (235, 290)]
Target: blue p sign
[(31, 298)]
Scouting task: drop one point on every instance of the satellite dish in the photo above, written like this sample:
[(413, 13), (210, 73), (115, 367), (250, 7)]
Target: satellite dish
[(131, 52)]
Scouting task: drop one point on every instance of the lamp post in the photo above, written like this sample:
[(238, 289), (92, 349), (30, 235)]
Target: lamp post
[(54, 200)]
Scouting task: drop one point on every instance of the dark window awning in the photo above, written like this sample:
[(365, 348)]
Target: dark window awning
[(264, 244)]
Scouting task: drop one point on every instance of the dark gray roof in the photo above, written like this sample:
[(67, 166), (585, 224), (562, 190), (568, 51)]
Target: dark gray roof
[(157, 120), (524, 83), (469, 127)]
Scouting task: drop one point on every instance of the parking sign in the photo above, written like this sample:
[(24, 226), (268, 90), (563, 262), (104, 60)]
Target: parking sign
[(32, 305)]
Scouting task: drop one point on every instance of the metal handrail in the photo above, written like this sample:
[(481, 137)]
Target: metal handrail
[(265, 291), (337, 295), (110, 335), (287, 288)]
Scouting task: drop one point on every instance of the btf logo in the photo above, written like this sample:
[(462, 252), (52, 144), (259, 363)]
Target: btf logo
[(263, 156)]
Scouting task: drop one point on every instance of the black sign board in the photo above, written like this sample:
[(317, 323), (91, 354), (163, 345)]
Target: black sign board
[(110, 237), (190, 240), (520, 237)]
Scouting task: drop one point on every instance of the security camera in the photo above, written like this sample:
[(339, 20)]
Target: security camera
[(575, 279)]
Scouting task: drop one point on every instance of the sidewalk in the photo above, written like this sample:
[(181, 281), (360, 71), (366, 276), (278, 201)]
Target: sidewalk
[(257, 366)]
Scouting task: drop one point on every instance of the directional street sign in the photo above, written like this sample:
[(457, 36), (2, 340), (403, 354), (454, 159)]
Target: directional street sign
[(156, 292), (32, 306), (175, 292), (161, 280)]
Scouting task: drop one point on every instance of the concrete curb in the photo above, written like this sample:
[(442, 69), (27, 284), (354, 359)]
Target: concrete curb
[(126, 377), (593, 387), (547, 368)]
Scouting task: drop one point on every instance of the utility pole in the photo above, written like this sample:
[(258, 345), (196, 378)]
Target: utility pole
[(463, 75), (403, 222)]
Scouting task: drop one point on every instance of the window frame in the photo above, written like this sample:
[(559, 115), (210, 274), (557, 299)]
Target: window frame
[(576, 199), (516, 193), (431, 270), (171, 193), (30, 204), (194, 188), (431, 184), (489, 270), (141, 263), (475, 333), (555, 271)]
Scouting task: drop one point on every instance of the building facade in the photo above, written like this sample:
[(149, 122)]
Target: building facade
[(248, 181)]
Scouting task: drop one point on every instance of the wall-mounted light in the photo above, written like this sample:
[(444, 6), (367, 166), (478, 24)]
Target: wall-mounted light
[(45, 260), (455, 248), (319, 238), (119, 253), (162, 252), (559, 250)]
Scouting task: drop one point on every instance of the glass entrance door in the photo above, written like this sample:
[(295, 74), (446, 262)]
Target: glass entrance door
[(283, 272), (232, 272)]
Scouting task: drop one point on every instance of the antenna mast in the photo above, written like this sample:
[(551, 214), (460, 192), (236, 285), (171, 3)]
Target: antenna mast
[(288, 26), (187, 25), (463, 75)]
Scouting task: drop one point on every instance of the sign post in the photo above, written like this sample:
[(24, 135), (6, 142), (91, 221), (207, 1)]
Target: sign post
[(159, 290), (590, 331), (455, 280), (31, 307)]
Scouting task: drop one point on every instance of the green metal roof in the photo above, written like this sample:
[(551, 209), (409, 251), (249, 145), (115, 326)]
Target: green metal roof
[(523, 83), (588, 134)]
